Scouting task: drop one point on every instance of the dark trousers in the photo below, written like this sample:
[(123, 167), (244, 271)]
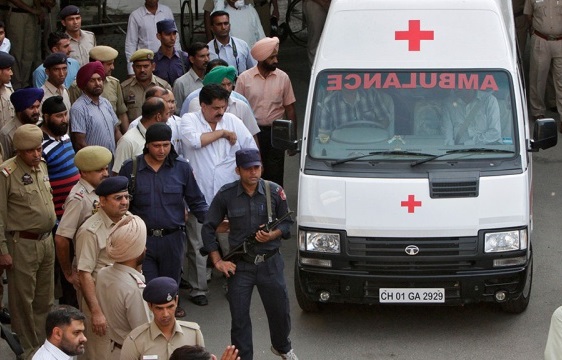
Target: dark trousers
[(68, 296), (269, 279), (273, 159), (164, 256)]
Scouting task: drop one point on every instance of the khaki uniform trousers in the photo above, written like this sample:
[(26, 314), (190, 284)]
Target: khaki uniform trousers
[(97, 347), (25, 35), (545, 56), (31, 288)]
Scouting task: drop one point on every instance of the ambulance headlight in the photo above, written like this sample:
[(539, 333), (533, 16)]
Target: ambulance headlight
[(505, 241), (319, 242)]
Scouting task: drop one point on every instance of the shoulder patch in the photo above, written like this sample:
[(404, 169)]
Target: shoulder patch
[(9, 167), (281, 193)]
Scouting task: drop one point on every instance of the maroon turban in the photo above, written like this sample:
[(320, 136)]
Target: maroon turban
[(85, 73)]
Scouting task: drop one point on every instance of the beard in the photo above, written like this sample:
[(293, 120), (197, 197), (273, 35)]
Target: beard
[(57, 130)]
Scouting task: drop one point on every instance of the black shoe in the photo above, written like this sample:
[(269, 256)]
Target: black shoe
[(184, 284), (200, 300), (5, 316)]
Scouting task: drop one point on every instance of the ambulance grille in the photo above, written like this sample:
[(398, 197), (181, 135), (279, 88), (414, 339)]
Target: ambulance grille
[(453, 189), (388, 255)]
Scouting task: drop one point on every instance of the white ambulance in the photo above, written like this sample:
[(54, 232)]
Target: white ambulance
[(415, 181)]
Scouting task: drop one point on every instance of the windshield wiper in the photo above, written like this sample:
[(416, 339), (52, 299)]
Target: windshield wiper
[(386, 152), (460, 151)]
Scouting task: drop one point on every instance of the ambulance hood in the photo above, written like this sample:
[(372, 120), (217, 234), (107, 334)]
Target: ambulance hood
[(403, 207)]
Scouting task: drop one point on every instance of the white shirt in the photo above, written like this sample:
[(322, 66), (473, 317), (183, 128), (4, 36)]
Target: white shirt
[(6, 45), (245, 24), (241, 62), (173, 123), (141, 31), (129, 145), (236, 107), (49, 351), (214, 164)]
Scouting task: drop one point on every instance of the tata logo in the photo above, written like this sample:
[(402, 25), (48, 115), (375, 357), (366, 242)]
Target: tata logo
[(412, 250)]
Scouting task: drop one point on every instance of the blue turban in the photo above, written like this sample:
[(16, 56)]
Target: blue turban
[(24, 98)]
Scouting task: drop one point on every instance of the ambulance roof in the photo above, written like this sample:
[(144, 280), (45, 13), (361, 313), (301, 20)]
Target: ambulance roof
[(418, 34)]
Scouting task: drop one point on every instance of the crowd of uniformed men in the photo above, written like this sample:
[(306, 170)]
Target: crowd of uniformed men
[(107, 186)]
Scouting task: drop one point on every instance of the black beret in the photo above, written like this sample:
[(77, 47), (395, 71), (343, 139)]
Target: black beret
[(53, 59), (158, 132), (69, 10), (112, 185), (160, 290), (53, 105), (6, 60)]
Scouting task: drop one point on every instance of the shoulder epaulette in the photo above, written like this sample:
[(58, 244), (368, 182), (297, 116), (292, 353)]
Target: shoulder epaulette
[(94, 226), (189, 324), (8, 167), (134, 334)]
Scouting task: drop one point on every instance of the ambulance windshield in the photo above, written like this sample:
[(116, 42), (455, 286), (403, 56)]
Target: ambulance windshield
[(404, 115)]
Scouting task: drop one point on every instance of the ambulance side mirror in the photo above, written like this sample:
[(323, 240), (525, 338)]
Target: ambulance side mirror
[(283, 135), (545, 134)]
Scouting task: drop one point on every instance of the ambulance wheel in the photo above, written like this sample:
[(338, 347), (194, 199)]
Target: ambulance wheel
[(517, 306), (305, 304)]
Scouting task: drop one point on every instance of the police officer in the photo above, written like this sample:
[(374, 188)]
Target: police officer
[(163, 184), (27, 216), (81, 203), (91, 257), (164, 334), (135, 87), (119, 287), (245, 204), (6, 108)]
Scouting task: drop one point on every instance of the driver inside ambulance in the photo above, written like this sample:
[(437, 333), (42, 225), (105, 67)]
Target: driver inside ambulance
[(361, 108), (472, 117)]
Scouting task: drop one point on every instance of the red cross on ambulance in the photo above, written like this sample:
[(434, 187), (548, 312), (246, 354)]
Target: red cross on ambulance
[(414, 35), (411, 203)]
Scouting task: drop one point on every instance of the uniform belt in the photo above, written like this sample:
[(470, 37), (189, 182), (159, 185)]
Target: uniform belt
[(14, 9), (164, 232), (31, 235), (548, 37), (259, 258)]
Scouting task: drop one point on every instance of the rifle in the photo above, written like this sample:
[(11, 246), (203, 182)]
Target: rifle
[(250, 241)]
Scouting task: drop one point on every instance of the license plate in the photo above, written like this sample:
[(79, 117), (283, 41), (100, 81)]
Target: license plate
[(408, 295)]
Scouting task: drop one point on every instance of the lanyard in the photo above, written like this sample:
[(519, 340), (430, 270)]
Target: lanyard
[(234, 52)]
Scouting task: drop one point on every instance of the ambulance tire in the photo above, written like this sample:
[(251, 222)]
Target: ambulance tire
[(305, 303), (519, 305)]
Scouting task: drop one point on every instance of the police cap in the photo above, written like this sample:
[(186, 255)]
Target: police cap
[(160, 290), (27, 137), (6, 60), (112, 185), (68, 11), (141, 55), (53, 59), (92, 158), (248, 157), (103, 53), (166, 26)]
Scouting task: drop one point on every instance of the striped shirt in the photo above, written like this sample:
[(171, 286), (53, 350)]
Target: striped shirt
[(97, 121), (59, 156)]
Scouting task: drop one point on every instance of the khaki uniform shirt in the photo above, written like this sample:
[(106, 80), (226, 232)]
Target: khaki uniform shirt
[(147, 339), (51, 90), (111, 91), (547, 16), (133, 94), (7, 136), (119, 291), (26, 200), (90, 243), (81, 47), (81, 203), (7, 111)]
